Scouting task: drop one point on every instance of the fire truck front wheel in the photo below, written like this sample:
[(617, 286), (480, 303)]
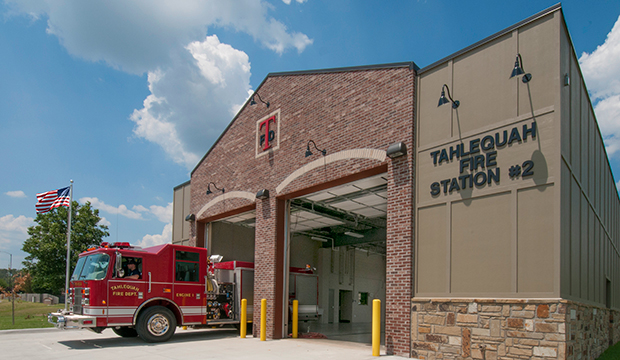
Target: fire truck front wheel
[(156, 324)]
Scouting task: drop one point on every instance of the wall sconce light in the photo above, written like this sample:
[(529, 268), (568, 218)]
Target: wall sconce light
[(190, 217), (253, 102), (444, 100), (209, 192), (262, 194), (518, 70), (309, 153), (397, 149)]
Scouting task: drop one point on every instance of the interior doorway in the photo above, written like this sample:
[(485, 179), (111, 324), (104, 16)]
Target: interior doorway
[(331, 307), (345, 304)]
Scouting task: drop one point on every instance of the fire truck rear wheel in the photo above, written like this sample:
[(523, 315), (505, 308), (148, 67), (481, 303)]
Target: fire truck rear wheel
[(156, 324), (125, 331)]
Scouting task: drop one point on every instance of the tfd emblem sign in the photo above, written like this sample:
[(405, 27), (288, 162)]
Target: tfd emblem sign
[(268, 134)]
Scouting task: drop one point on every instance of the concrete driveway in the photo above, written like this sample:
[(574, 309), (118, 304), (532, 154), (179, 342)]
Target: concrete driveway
[(46, 344)]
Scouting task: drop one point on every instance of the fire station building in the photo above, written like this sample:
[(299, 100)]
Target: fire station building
[(473, 197)]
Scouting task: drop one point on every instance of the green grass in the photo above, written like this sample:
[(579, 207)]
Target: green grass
[(27, 315), (613, 353)]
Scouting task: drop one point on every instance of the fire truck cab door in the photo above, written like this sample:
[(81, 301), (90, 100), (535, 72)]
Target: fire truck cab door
[(126, 293), (189, 286)]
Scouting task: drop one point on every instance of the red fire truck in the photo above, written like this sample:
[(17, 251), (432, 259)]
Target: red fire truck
[(149, 292)]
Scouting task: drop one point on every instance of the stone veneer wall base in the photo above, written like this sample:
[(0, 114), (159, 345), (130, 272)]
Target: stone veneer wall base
[(493, 329)]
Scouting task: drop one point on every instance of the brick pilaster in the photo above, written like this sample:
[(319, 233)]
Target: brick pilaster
[(265, 259), (399, 260)]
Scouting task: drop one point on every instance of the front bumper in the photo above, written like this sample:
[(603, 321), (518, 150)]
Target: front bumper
[(68, 320)]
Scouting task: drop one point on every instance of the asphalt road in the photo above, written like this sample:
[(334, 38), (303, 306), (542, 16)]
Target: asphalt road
[(47, 344)]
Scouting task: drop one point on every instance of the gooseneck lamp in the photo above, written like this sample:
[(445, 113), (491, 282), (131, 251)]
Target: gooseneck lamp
[(309, 153), (209, 192), (253, 102), (518, 70), (444, 100)]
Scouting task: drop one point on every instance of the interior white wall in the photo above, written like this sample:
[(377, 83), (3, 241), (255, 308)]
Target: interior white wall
[(233, 242), (368, 276)]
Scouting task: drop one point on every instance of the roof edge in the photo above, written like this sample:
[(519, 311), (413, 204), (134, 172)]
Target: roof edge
[(410, 64), (181, 185), (488, 39)]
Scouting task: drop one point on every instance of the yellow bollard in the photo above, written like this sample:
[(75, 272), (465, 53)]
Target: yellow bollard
[(295, 318), (244, 318), (263, 320), (376, 327)]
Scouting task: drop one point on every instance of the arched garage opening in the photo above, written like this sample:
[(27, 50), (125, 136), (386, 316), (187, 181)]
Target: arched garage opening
[(336, 252)]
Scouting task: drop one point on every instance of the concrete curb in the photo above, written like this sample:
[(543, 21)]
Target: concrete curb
[(26, 331)]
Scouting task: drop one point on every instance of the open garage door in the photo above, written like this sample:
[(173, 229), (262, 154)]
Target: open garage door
[(232, 237), (339, 236)]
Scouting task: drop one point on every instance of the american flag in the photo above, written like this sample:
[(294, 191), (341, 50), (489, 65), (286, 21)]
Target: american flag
[(52, 199)]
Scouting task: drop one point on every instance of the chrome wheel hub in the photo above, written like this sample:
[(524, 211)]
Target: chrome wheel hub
[(158, 325)]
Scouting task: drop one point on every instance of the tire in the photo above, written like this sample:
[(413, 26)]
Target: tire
[(125, 332), (156, 324)]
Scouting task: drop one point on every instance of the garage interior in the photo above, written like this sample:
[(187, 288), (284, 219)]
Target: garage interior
[(340, 234), (337, 245)]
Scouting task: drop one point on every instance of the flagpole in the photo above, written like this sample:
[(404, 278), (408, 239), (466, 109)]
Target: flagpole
[(68, 247)]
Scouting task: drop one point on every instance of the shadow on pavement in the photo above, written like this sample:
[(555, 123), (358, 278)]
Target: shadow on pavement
[(111, 341)]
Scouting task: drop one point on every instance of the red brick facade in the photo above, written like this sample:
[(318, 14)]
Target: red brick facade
[(352, 109)]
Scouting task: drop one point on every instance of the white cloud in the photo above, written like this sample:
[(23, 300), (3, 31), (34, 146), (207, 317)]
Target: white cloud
[(192, 101), (20, 224), (104, 221), (601, 70), (158, 239), (288, 2), (13, 232), (142, 35), (121, 209), (197, 83), (163, 213), (16, 194), (139, 208), (608, 115)]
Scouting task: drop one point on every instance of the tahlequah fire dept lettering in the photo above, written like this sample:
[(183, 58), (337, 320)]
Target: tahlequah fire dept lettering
[(124, 290)]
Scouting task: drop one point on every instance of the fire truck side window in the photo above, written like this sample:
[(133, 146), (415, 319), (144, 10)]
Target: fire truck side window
[(187, 266), (135, 270)]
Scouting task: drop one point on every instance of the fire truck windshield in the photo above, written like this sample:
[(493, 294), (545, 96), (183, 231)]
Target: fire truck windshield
[(91, 267)]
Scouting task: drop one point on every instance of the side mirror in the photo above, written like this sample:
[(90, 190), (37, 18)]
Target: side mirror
[(118, 266)]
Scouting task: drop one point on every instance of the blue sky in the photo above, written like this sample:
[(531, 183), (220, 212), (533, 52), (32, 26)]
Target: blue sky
[(125, 97)]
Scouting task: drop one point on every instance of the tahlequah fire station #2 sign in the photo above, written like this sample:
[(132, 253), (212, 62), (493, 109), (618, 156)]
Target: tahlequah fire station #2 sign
[(480, 169)]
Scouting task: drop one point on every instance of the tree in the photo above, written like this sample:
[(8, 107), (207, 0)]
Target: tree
[(47, 244), (19, 284), (5, 277)]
